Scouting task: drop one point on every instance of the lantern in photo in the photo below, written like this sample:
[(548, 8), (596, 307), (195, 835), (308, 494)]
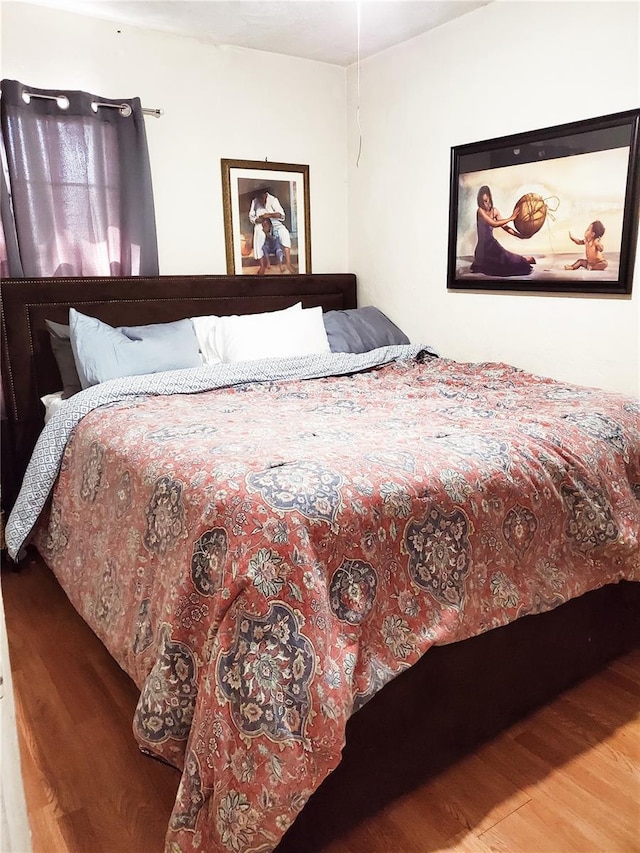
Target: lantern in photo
[(532, 214)]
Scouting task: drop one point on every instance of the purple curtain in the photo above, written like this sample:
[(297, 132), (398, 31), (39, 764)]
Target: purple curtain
[(77, 198)]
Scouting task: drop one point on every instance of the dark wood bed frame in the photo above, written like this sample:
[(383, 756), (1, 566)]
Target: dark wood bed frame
[(29, 370), (456, 696)]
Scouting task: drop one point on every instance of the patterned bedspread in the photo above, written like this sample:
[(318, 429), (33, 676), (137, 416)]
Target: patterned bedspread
[(261, 559)]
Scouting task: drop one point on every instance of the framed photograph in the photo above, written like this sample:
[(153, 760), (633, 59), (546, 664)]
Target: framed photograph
[(266, 217), (549, 210)]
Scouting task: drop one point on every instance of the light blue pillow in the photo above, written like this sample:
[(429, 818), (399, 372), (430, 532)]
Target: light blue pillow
[(102, 352)]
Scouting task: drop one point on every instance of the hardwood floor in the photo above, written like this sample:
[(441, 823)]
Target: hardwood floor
[(565, 779)]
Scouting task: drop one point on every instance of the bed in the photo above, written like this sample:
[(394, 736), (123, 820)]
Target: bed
[(266, 547)]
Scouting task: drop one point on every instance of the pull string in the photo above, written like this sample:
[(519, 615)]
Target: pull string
[(549, 215), (63, 102), (358, 83)]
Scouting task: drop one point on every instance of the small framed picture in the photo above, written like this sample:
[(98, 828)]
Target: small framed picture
[(266, 217), (549, 210)]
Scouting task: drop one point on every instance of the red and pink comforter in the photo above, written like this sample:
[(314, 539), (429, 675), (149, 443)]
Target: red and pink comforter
[(262, 559)]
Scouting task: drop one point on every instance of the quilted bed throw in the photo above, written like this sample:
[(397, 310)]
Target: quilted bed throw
[(262, 558)]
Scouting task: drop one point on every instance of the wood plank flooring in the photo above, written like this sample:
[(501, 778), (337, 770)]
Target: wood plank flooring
[(565, 779)]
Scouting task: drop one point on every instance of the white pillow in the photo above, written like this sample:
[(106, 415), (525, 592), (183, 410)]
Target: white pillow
[(280, 334), (262, 325), (205, 329), (52, 403)]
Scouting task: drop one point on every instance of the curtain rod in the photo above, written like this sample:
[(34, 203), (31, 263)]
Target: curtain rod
[(63, 102)]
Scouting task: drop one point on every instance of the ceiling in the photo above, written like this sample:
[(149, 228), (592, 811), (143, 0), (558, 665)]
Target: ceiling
[(324, 30)]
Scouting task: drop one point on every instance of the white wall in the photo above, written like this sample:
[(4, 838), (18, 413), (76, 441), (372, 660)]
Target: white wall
[(219, 102), (15, 833), (506, 68)]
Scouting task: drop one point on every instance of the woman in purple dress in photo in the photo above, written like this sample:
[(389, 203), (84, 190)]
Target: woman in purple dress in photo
[(490, 257)]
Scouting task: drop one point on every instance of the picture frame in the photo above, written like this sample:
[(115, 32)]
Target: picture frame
[(575, 189), (256, 243)]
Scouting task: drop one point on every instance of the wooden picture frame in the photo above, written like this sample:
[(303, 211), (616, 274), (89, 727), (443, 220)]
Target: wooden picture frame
[(256, 243), (575, 188)]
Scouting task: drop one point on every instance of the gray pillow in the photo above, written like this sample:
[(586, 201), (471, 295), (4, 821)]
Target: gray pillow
[(60, 338), (361, 330), (102, 352)]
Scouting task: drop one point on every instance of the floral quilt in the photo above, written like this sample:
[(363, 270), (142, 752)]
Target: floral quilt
[(262, 559)]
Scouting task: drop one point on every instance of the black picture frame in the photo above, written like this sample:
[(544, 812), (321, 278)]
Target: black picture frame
[(567, 183)]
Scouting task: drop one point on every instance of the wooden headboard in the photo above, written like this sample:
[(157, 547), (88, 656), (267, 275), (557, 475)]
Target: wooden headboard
[(29, 370)]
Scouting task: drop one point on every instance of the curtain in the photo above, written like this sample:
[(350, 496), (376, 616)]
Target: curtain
[(77, 198)]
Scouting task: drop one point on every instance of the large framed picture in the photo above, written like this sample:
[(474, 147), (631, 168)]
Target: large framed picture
[(266, 217), (549, 210)]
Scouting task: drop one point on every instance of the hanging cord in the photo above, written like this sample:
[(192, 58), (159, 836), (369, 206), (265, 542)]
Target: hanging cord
[(63, 102), (550, 212), (358, 83)]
